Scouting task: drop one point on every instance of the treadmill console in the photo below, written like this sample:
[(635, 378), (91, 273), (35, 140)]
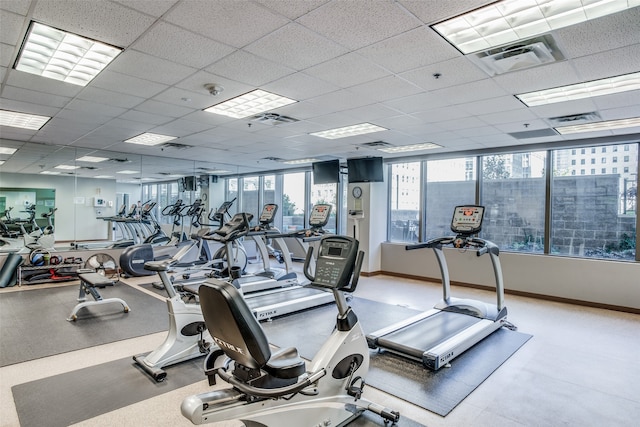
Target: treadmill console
[(268, 214), (467, 219), (319, 215), (335, 262)]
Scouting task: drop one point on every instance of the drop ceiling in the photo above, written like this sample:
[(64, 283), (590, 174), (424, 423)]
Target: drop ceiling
[(345, 62)]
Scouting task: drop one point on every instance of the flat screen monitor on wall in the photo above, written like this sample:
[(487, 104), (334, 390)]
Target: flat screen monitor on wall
[(326, 172), (365, 169)]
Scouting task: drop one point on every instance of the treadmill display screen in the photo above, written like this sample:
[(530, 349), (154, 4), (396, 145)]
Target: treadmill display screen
[(467, 219)]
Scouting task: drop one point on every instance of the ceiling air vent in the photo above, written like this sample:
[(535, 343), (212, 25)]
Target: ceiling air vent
[(273, 159), (539, 133), (524, 54), (119, 160), (272, 119), (376, 144), (175, 146), (574, 119)]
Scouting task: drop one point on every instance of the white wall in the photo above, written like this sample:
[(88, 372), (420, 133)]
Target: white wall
[(373, 227), (593, 281)]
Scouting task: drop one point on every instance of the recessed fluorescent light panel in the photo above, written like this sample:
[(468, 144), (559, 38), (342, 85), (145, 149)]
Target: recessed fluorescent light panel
[(1, 162), (249, 104), (625, 83), (22, 120), (510, 20), (150, 139), (103, 176), (299, 161), (408, 148), (7, 150), (593, 127), (50, 173), (67, 167), (91, 159), (360, 129), (127, 172), (58, 55)]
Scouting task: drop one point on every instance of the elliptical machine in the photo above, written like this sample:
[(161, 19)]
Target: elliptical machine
[(187, 338), (267, 387)]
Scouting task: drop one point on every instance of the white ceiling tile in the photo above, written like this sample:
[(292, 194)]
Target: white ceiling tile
[(342, 100), (95, 107), (469, 92), (521, 115), (230, 22), (28, 107), (386, 88), (179, 45), (461, 123), (151, 120), (409, 50), (416, 103), (371, 112), (626, 112), (300, 86), (11, 30), (26, 95), (534, 124), (20, 7), (249, 69), (436, 115), (493, 105), (475, 132), (451, 73), (107, 97), (347, 70), (40, 84), (292, 9), (296, 47), (122, 83), (195, 83), (163, 109), (155, 8), (433, 11), (105, 21), (538, 78), (601, 34), (610, 63), (141, 65), (624, 99), (6, 55), (357, 24)]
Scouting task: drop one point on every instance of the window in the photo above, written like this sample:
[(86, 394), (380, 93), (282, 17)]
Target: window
[(250, 197), (626, 169), (449, 184), (583, 151), (581, 171), (626, 147), (232, 193), (404, 200), (615, 160), (604, 170), (604, 149), (593, 216), (593, 171), (626, 159), (573, 162), (593, 161), (603, 160), (582, 161), (614, 170), (513, 196), (593, 150), (293, 200)]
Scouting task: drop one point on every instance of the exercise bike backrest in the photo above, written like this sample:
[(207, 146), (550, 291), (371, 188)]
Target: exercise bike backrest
[(338, 263), (238, 333), (236, 227)]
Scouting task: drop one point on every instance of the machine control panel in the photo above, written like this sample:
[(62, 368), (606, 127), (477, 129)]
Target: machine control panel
[(319, 215), (268, 213), (335, 262), (467, 219)]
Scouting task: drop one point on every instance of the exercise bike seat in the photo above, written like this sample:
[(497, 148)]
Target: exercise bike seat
[(158, 265), (239, 335)]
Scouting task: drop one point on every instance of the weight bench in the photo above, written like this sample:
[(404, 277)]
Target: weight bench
[(89, 282)]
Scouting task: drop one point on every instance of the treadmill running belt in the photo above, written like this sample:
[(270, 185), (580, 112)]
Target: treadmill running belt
[(415, 339), (285, 295)]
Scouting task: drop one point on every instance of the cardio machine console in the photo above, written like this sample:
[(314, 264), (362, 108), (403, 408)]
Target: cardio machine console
[(319, 215), (467, 219), (268, 213), (335, 262)]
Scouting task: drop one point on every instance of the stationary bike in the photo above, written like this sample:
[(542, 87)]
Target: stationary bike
[(187, 338), (267, 388)]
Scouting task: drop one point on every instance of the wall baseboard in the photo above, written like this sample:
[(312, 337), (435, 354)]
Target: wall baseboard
[(512, 292)]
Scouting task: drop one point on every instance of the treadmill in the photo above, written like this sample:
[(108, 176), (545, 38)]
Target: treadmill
[(281, 301), (439, 335)]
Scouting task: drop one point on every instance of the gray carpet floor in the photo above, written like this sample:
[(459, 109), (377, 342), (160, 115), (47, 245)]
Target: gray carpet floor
[(34, 322)]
